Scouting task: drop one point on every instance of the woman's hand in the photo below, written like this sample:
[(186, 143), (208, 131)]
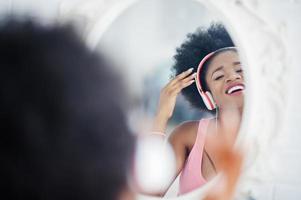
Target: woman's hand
[(168, 98), (229, 165)]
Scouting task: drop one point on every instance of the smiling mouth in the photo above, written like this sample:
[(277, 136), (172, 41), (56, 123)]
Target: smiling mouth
[(235, 89)]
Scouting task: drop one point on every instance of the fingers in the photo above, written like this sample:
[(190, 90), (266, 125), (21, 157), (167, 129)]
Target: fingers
[(182, 85), (181, 76), (179, 82), (169, 93), (230, 164), (231, 170), (185, 82)]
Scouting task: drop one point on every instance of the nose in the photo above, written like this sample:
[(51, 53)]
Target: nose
[(233, 76)]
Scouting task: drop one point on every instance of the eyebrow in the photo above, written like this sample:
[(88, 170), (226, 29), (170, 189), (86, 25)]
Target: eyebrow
[(236, 63)]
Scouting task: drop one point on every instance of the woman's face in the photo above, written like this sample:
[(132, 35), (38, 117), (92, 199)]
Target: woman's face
[(225, 80)]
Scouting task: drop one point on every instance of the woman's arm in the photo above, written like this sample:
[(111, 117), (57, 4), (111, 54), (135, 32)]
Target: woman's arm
[(168, 98), (164, 112), (181, 139)]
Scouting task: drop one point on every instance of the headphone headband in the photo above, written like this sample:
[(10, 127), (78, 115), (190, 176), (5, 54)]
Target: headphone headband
[(201, 64)]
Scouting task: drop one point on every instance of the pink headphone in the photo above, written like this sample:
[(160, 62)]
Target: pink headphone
[(206, 95)]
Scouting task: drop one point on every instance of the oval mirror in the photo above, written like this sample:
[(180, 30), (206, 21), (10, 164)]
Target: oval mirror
[(186, 80)]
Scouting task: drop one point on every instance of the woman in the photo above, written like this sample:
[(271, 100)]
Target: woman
[(219, 88)]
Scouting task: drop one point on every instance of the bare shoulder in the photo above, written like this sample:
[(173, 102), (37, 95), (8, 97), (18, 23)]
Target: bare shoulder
[(185, 133)]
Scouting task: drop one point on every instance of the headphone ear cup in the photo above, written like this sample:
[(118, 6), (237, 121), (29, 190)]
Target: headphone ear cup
[(212, 102), (208, 100)]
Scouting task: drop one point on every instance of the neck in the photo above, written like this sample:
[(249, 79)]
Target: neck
[(229, 120)]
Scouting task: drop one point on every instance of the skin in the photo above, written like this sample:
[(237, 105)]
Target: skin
[(224, 70)]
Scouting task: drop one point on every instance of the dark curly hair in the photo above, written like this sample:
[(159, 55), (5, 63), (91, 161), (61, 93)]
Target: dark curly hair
[(63, 129), (193, 50)]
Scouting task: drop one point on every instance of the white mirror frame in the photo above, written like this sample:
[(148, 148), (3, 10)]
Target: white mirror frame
[(266, 32)]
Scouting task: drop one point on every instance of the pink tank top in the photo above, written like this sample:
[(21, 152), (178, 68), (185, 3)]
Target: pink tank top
[(191, 177)]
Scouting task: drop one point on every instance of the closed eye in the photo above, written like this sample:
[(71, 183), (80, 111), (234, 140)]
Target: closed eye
[(219, 77)]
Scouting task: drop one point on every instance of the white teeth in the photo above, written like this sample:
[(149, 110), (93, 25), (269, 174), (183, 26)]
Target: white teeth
[(237, 87)]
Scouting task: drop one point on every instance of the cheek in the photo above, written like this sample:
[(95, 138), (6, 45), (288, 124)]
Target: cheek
[(216, 91), (215, 88)]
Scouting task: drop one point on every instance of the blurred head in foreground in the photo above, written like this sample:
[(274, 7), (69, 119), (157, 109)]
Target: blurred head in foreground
[(63, 129)]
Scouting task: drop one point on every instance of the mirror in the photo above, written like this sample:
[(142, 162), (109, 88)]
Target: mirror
[(267, 32), (143, 40)]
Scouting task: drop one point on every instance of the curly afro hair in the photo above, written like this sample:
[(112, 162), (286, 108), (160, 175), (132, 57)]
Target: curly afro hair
[(193, 50), (58, 108)]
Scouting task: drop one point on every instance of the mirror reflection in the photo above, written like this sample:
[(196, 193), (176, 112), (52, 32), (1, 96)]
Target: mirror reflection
[(182, 60), (209, 74)]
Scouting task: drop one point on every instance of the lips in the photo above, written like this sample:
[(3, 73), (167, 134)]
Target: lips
[(234, 88)]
